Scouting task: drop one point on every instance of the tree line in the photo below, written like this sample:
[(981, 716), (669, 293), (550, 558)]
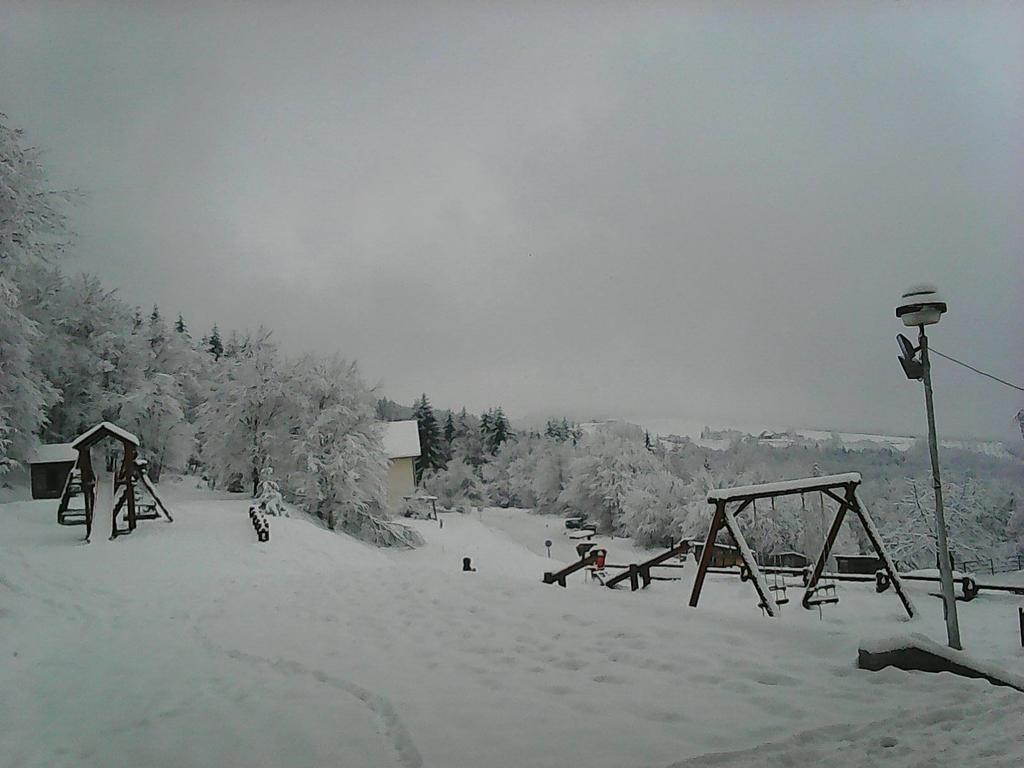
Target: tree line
[(238, 411)]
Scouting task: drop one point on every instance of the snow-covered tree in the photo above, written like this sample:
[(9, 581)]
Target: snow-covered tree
[(268, 495), (455, 485), (495, 430), (449, 434), (241, 424), (342, 468), (610, 462), (154, 411), (652, 509), (24, 394), (32, 234), (214, 345)]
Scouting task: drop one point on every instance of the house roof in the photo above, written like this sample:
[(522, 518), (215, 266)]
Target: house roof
[(401, 439), (88, 436), (53, 453)]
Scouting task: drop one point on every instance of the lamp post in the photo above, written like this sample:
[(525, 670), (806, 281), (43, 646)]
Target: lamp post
[(921, 305)]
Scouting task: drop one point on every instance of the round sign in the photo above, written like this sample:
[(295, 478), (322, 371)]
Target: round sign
[(547, 543)]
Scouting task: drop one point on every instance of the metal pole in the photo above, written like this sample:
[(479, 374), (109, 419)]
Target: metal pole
[(945, 571)]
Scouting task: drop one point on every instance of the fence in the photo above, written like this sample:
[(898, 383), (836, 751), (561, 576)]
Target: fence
[(992, 565)]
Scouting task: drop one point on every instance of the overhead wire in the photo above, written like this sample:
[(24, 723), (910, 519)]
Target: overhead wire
[(976, 370)]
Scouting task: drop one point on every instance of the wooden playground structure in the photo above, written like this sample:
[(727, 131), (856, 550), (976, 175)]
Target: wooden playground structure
[(129, 477), (819, 585), (639, 574), (730, 502)]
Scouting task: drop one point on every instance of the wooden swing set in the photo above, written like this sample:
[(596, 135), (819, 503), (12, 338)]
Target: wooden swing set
[(129, 476), (730, 502)]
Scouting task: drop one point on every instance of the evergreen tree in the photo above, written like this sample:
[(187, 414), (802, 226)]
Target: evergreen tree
[(485, 430), (431, 456), (179, 325), (157, 331), (233, 346), (449, 429), (214, 345), (495, 429)]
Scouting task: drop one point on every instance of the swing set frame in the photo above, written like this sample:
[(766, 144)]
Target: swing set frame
[(730, 502), (128, 476)]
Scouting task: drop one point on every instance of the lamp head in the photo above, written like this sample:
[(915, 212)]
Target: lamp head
[(920, 305)]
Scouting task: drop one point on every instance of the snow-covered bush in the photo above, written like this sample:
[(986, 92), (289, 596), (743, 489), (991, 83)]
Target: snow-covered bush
[(268, 495), (456, 485)]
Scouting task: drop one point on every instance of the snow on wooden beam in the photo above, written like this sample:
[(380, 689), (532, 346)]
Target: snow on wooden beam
[(104, 429), (783, 487), (917, 653)]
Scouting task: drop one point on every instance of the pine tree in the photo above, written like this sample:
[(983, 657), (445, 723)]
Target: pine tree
[(179, 325), (449, 429), (550, 430), (214, 345), (431, 456), (157, 331), (495, 429), (485, 429)]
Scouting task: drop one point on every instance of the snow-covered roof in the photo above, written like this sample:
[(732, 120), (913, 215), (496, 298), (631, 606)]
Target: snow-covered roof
[(401, 439), (52, 453), (784, 486), (113, 428)]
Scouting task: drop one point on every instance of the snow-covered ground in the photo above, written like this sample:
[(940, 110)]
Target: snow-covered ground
[(190, 644)]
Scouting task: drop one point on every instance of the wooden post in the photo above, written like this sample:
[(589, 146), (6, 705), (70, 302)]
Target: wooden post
[(707, 552), (826, 549), (876, 541), (129, 482), (746, 557), (88, 488), (633, 583)]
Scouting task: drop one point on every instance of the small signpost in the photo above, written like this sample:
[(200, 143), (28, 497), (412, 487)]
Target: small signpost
[(547, 543)]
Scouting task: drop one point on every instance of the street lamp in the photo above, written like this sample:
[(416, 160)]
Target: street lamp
[(922, 305)]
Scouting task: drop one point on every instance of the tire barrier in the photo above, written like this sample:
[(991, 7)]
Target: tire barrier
[(259, 523), (882, 581), (970, 587)]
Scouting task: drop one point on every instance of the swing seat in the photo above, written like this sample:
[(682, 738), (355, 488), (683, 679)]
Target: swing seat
[(823, 594), (813, 600)]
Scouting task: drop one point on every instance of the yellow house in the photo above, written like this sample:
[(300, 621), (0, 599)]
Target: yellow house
[(402, 446)]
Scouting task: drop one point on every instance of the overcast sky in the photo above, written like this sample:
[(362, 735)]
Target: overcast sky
[(704, 211)]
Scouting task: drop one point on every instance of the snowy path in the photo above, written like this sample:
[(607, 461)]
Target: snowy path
[(192, 645)]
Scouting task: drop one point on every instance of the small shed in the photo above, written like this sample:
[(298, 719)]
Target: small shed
[(788, 559), (858, 563), (49, 466), (723, 555)]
